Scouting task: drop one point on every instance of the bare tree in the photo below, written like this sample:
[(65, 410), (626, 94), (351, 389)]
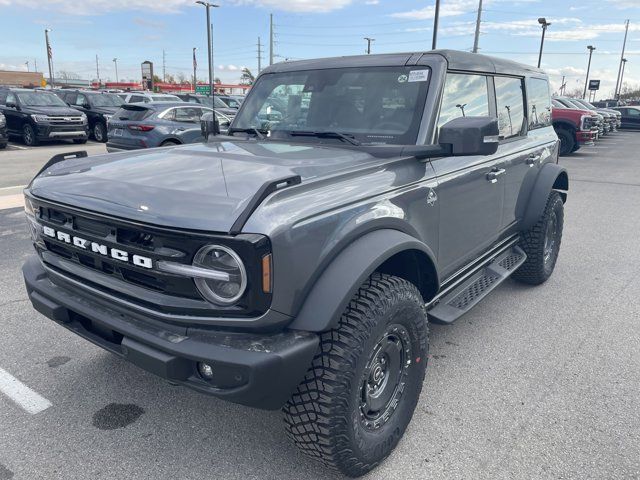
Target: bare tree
[(66, 75)]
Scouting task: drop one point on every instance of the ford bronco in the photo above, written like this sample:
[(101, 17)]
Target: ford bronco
[(296, 262)]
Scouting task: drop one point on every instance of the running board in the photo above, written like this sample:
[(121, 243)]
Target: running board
[(470, 292)]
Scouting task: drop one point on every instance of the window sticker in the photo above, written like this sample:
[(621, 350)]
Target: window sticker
[(418, 75), (402, 78)]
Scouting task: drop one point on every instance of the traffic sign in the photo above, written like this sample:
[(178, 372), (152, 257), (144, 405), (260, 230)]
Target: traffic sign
[(594, 84), (203, 89)]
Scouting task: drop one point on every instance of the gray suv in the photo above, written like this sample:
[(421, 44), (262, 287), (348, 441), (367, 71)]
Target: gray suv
[(147, 125), (296, 262)]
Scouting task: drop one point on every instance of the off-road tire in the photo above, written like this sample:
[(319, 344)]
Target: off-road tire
[(29, 137), (567, 141), (79, 141), (324, 416), (538, 267), (99, 132)]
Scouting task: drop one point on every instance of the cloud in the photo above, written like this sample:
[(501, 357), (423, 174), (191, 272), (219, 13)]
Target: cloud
[(145, 22), (99, 7), (448, 9)]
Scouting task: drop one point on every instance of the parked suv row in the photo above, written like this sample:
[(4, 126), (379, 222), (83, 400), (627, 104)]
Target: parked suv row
[(4, 137), (39, 115)]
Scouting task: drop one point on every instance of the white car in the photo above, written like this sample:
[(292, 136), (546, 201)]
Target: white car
[(146, 97)]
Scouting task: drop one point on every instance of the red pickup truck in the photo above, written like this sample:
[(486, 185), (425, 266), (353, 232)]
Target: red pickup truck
[(574, 127)]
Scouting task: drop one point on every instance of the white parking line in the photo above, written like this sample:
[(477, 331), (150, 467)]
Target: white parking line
[(30, 401), (18, 147)]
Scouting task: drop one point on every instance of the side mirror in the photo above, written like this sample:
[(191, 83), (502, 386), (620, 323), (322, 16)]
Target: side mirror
[(86, 106), (209, 125), (12, 105), (470, 136)]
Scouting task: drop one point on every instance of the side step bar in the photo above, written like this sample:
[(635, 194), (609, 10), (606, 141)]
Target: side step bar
[(472, 290)]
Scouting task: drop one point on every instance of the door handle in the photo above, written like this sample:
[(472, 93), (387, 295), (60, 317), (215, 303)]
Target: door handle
[(493, 175), (532, 159)]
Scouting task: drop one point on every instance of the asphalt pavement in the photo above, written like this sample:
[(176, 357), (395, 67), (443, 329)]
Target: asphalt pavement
[(534, 383)]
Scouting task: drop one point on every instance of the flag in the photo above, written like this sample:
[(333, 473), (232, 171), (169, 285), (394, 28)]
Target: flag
[(49, 51)]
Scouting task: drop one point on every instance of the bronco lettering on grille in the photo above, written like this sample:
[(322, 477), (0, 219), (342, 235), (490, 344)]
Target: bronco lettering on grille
[(94, 247)]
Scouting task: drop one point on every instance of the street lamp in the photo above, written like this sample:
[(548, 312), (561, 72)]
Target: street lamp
[(586, 80), (369, 40), (115, 60), (543, 22), (208, 7)]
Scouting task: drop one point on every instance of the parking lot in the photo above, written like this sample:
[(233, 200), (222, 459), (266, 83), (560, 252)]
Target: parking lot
[(536, 382)]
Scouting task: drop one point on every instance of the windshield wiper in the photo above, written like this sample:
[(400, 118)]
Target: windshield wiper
[(253, 130), (342, 136)]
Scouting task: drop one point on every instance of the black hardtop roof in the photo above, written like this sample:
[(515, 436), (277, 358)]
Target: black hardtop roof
[(456, 60)]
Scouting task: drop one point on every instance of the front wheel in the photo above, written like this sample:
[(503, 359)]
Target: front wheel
[(359, 395), (541, 243), (100, 132), (29, 137), (567, 141)]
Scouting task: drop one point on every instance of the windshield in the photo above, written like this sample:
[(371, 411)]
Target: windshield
[(374, 105), (106, 100), (40, 99), (584, 104)]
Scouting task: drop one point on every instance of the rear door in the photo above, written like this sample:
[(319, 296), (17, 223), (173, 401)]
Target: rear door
[(631, 118), (469, 194), (13, 115), (187, 123)]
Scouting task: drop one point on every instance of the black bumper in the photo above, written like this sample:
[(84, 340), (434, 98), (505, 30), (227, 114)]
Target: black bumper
[(258, 370)]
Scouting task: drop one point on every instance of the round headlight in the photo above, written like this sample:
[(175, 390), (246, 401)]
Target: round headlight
[(221, 259)]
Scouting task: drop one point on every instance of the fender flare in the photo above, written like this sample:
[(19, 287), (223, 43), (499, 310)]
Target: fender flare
[(332, 292), (551, 177)]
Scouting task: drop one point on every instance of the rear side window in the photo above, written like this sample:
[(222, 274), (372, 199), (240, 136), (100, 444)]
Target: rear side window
[(136, 99), (510, 106), (539, 103), (464, 96), (134, 114)]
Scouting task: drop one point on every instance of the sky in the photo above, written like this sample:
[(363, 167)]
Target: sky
[(134, 31)]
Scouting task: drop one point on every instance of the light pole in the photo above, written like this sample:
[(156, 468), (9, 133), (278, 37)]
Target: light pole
[(208, 7), (543, 22), (369, 40), (115, 61), (27, 64), (624, 62), (195, 66), (586, 80), (436, 17), (49, 56)]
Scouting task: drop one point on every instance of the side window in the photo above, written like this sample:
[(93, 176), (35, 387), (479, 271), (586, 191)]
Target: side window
[(136, 98), (510, 106), (3, 97), (632, 112), (11, 98), (464, 96), (188, 114), (539, 103), (80, 100)]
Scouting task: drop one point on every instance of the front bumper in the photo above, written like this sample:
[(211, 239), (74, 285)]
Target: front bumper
[(586, 137), (258, 370), (55, 132)]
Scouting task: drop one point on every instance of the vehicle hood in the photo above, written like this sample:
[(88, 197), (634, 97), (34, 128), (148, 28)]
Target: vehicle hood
[(199, 186), (72, 112)]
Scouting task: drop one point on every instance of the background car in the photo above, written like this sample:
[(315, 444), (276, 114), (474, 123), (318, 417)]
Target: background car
[(37, 115), (231, 101), (574, 127), (4, 136), (155, 124), (97, 106), (146, 97), (630, 117), (220, 106)]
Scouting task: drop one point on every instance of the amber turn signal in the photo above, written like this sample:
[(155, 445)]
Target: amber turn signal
[(266, 273)]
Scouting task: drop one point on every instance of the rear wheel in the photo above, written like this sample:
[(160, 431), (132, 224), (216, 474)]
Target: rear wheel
[(29, 137), (100, 132), (567, 141), (168, 143), (541, 243), (359, 395)]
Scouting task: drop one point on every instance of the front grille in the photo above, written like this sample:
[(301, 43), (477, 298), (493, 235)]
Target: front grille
[(134, 240), (146, 287), (65, 121)]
